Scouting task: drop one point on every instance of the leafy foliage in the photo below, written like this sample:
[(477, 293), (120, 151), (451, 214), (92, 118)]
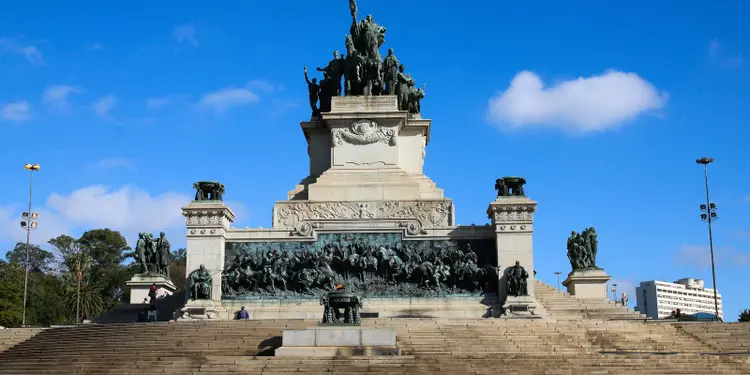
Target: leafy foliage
[(744, 316), (39, 260), (83, 275)]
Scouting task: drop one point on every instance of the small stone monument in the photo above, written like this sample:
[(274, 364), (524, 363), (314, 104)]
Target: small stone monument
[(200, 305), (338, 334), (152, 255), (518, 301), (586, 281)]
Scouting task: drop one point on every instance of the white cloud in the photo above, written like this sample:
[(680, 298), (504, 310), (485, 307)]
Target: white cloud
[(264, 86), (161, 101), (719, 52), (699, 256), (56, 96), (127, 209), (185, 33), (50, 225), (30, 52), (583, 105), (228, 98), (104, 105), (113, 163), (16, 111)]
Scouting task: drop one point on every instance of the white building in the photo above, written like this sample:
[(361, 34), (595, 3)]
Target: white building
[(657, 299)]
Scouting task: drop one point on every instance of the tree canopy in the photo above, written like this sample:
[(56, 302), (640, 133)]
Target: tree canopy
[(85, 275)]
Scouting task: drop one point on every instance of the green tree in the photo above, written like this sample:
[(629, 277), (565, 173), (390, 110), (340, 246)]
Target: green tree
[(177, 267), (39, 260), (11, 294), (107, 249), (64, 247), (744, 316)]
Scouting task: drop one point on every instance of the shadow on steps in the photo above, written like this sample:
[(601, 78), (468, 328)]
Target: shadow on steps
[(128, 312)]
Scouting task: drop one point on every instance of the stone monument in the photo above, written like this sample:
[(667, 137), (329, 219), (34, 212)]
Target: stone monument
[(586, 281), (512, 215), (152, 256), (366, 215)]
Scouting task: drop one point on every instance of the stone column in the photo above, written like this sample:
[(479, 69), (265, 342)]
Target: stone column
[(513, 217), (207, 223)]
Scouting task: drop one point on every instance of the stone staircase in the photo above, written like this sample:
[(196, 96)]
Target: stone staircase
[(10, 337), (451, 346), (563, 306)]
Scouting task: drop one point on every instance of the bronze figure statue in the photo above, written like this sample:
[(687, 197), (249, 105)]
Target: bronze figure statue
[(517, 281), (582, 249), (200, 283)]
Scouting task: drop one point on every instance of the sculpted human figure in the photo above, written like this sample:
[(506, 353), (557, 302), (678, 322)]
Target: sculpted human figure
[(415, 96), (140, 252), (200, 283), (390, 72), (334, 71), (314, 90), (402, 88), (517, 284), (501, 187), (163, 247)]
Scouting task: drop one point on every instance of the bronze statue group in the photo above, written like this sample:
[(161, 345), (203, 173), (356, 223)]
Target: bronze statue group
[(582, 248), (153, 254), (364, 71), (409, 268)]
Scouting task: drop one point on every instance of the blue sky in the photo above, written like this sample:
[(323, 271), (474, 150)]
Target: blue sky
[(603, 108)]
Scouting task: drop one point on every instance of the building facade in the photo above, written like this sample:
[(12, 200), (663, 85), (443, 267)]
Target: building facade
[(657, 299)]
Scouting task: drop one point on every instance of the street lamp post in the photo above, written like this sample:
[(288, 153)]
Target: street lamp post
[(558, 273), (28, 222), (614, 292), (709, 214)]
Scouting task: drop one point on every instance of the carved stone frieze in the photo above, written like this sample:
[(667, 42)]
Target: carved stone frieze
[(418, 215), (364, 132), (511, 213), (386, 103), (208, 217)]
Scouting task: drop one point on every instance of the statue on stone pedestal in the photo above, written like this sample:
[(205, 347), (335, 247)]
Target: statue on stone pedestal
[(208, 191), (402, 88), (314, 89), (163, 247), (516, 281), (390, 72), (582, 249), (510, 186), (152, 255), (415, 96), (334, 71), (200, 283)]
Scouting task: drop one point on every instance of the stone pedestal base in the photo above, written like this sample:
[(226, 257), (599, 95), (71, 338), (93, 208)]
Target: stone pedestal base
[(381, 307), (139, 286), (202, 309), (520, 306), (335, 341), (587, 284)]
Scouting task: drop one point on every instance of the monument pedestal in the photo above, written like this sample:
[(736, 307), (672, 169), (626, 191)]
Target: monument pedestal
[(513, 218), (202, 309), (337, 341), (139, 286), (520, 306), (587, 284)]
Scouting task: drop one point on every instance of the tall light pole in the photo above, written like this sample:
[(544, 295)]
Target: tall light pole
[(614, 292), (28, 223), (558, 273), (709, 215)]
